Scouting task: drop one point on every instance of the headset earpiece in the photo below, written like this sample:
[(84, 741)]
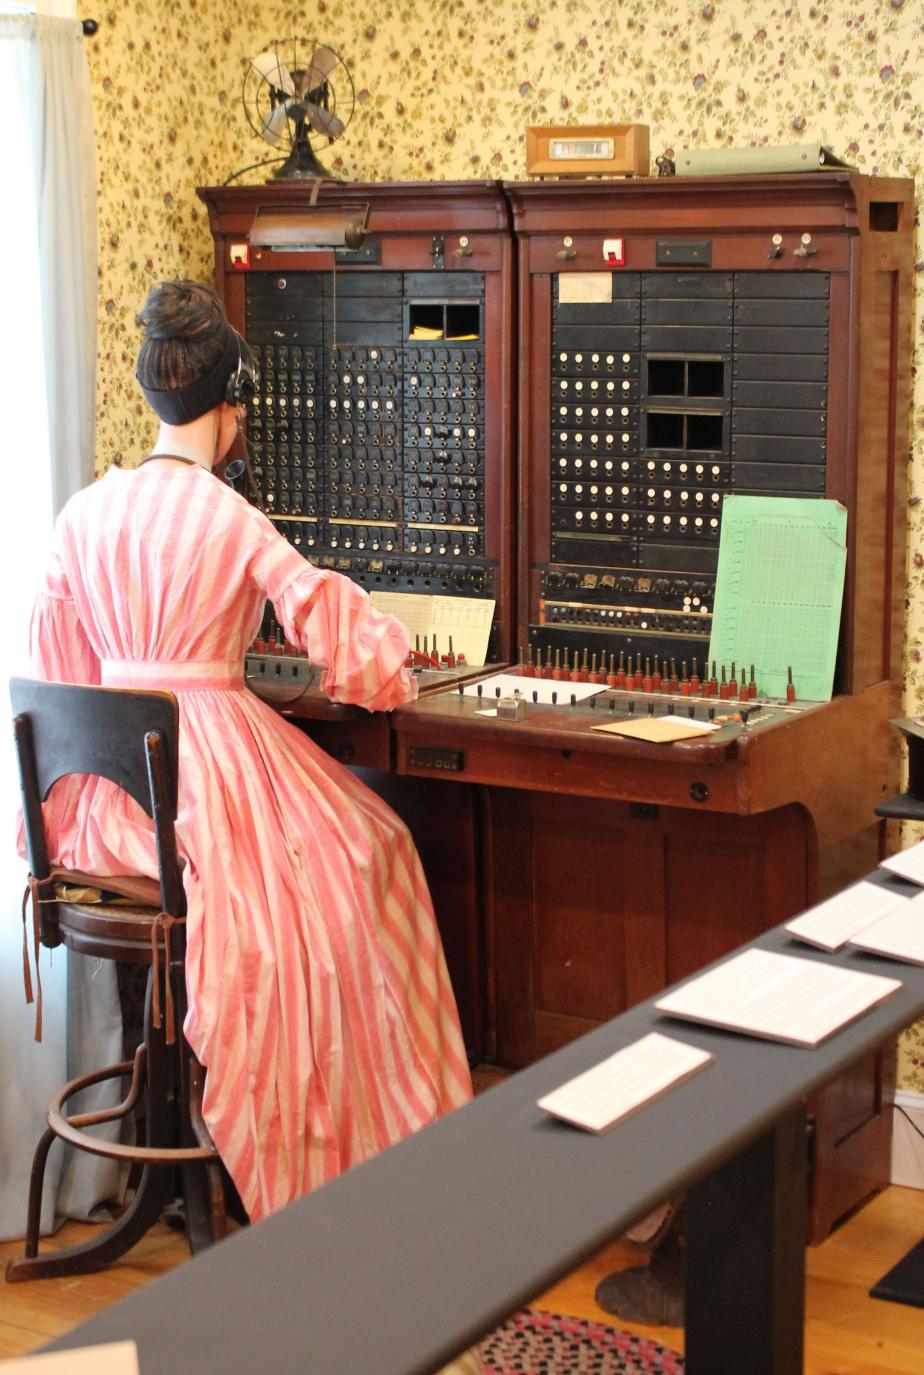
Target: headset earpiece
[(242, 383)]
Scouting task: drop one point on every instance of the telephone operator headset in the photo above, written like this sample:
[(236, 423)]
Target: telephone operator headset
[(241, 388)]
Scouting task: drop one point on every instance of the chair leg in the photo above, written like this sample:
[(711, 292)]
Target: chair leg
[(203, 1182), (154, 1189), (137, 1219), (36, 1189)]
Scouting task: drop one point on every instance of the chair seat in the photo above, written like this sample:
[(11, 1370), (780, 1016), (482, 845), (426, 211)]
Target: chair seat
[(145, 891)]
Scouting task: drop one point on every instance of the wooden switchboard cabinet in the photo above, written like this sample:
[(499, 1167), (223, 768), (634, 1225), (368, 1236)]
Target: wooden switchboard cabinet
[(624, 354)]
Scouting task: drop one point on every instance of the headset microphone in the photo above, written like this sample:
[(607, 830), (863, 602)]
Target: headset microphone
[(235, 469)]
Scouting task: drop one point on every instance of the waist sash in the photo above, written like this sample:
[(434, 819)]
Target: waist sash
[(173, 675)]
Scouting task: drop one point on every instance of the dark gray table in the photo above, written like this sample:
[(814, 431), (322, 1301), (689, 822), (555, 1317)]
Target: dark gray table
[(405, 1261)]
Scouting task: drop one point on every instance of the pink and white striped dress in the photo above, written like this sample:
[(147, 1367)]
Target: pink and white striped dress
[(318, 995)]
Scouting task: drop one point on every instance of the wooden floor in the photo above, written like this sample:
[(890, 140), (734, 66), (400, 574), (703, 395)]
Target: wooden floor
[(847, 1333)]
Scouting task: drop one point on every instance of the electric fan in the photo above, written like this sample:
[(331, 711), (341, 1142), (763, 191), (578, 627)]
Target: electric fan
[(297, 91)]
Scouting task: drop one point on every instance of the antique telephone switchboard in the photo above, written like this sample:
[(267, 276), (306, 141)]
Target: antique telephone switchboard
[(680, 389), (541, 393), (381, 428)]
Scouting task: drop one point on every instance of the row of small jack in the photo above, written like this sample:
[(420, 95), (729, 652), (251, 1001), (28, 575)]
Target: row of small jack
[(657, 675)]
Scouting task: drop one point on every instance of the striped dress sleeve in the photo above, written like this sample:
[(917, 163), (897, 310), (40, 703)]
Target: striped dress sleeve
[(59, 648), (335, 623)]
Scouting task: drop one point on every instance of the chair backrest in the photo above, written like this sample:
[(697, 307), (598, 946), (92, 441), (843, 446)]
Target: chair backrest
[(127, 737)]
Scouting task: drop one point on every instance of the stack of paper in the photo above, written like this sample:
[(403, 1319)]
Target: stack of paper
[(909, 864), (900, 934), (831, 924), (760, 993), (600, 1097)]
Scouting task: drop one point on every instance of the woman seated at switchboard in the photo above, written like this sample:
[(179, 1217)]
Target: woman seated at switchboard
[(319, 1001)]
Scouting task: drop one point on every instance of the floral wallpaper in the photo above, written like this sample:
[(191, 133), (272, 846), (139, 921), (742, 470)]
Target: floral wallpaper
[(446, 89)]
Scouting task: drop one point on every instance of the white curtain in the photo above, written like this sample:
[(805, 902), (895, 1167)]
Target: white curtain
[(47, 364)]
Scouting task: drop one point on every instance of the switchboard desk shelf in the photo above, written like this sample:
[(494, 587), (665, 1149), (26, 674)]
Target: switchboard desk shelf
[(500, 1179)]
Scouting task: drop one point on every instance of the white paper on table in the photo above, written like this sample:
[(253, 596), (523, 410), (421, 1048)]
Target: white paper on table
[(908, 863), (509, 683), (115, 1358), (602, 1096), (703, 727), (831, 924), (779, 997), (899, 934)]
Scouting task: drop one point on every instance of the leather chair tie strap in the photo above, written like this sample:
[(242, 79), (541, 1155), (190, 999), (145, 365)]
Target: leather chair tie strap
[(34, 887), (162, 925)]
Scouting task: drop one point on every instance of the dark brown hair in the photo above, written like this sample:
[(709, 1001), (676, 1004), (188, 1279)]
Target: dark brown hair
[(185, 334)]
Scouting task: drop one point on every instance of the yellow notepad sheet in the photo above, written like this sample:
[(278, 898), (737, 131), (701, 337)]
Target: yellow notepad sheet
[(662, 730)]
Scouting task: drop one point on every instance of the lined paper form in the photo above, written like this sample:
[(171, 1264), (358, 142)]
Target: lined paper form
[(832, 923), (778, 997), (908, 863), (467, 619), (602, 1096), (899, 935), (779, 587)]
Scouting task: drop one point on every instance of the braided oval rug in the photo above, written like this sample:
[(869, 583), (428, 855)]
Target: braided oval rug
[(536, 1343)]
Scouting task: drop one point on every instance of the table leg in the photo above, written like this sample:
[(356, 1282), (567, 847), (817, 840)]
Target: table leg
[(745, 1261)]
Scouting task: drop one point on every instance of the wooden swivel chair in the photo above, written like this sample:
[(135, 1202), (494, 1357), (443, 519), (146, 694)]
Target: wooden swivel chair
[(129, 738)]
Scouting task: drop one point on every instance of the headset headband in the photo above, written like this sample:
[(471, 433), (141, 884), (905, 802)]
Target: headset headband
[(232, 379)]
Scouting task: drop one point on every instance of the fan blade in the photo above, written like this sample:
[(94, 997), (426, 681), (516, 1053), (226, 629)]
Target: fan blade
[(323, 122), (323, 62), (271, 67), (274, 125)]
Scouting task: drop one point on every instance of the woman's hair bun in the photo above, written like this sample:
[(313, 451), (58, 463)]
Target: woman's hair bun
[(182, 310), (186, 333)]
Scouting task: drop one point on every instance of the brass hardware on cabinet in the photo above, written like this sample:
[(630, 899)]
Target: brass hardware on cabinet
[(804, 251)]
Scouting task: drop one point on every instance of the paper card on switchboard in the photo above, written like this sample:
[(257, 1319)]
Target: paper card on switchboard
[(602, 1096), (778, 997), (899, 934), (832, 923), (115, 1358), (660, 730), (908, 863)]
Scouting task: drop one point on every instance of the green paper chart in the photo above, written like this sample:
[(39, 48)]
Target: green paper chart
[(779, 590)]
